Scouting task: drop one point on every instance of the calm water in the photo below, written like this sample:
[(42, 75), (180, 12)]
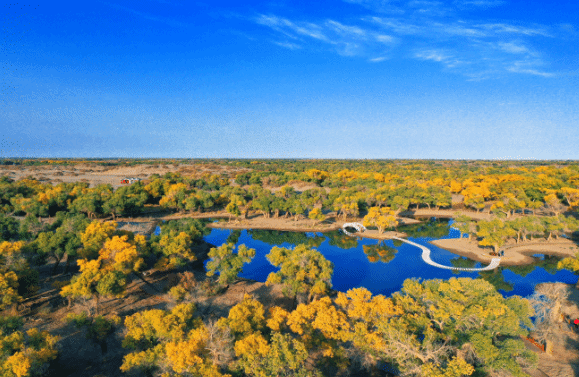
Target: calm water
[(381, 267)]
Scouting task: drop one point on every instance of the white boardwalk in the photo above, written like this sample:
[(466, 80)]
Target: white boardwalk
[(426, 252)]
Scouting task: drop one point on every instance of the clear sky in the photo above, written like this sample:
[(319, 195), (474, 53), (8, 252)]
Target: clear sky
[(457, 79)]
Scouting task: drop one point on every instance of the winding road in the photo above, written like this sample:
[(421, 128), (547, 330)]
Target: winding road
[(426, 252)]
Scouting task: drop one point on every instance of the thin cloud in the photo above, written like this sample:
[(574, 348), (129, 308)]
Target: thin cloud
[(514, 48), (426, 30), (291, 46), (290, 28), (479, 3), (506, 28), (346, 30)]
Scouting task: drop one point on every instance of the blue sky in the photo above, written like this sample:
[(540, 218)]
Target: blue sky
[(457, 79)]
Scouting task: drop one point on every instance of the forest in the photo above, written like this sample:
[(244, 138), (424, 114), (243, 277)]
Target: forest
[(62, 240)]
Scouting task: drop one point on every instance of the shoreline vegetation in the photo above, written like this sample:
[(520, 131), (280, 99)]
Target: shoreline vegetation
[(516, 254)]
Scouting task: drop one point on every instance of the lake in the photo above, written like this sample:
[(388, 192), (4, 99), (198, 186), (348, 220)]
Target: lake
[(382, 266)]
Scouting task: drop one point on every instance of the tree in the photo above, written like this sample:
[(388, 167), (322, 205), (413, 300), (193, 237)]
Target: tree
[(304, 273), (553, 225), (126, 200), (570, 264), (8, 289), (176, 249), (94, 236), (464, 224), (553, 203), (90, 203), (399, 204), (494, 233), (175, 196), (571, 196), (173, 342), (98, 328), (298, 208), (380, 217), (228, 264), (282, 356), (107, 275), (316, 215), (547, 301), (235, 205), (58, 244), (245, 318), (24, 354), (9, 228)]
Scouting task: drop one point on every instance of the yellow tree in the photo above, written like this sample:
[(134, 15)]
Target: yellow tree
[(553, 203), (572, 196), (316, 215), (175, 342), (8, 289), (107, 275), (570, 264), (245, 318), (24, 354), (235, 206), (94, 236), (281, 356), (176, 248), (380, 217)]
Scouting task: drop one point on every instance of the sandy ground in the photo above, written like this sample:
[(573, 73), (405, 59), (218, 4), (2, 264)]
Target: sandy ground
[(95, 174), (515, 254)]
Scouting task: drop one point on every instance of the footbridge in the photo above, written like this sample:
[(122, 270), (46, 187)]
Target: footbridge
[(359, 227), (426, 252)]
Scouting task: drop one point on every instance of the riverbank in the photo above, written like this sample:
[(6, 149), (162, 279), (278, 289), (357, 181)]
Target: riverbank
[(515, 254)]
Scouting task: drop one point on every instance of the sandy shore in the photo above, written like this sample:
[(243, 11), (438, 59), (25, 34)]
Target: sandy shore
[(515, 254)]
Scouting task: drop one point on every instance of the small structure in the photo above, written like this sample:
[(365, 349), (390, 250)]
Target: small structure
[(129, 181), (359, 227)]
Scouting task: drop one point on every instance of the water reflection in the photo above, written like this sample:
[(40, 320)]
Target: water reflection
[(379, 253), (278, 237), (382, 266)]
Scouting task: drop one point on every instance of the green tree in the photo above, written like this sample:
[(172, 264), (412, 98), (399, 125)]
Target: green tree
[(494, 233), (175, 249), (9, 228), (58, 244), (98, 328), (228, 263), (304, 273), (464, 314)]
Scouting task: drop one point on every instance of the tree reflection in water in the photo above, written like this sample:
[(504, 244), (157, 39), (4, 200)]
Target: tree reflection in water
[(278, 237), (339, 239), (379, 253), (431, 228)]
